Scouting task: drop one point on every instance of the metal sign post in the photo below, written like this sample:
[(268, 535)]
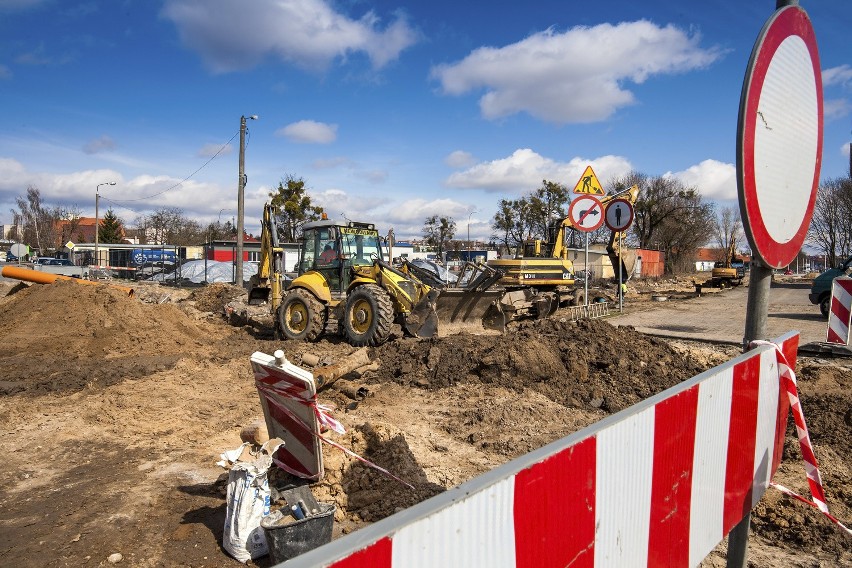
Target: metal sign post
[(587, 214), (779, 152), (586, 279), (618, 217)]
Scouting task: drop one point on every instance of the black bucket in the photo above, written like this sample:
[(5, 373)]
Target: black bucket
[(286, 541)]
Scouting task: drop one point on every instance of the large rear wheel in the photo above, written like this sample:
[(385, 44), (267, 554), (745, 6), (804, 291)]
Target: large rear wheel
[(301, 316), (368, 317)]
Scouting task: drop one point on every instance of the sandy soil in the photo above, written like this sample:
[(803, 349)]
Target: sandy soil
[(114, 411)]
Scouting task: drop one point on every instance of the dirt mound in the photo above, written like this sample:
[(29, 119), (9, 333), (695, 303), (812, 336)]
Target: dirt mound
[(587, 363), (107, 335), (214, 297)]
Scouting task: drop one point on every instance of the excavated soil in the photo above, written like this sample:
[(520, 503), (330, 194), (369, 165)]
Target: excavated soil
[(115, 409)]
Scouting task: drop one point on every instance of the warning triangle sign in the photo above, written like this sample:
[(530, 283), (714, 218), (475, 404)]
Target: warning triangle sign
[(589, 184)]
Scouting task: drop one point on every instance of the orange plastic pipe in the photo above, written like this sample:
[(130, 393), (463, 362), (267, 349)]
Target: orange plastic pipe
[(40, 277)]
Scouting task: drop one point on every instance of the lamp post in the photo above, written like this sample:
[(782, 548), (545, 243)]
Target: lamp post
[(97, 199), (469, 247), (238, 273)]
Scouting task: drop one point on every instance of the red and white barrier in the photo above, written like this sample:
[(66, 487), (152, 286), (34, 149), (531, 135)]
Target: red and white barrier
[(840, 312), (658, 484)]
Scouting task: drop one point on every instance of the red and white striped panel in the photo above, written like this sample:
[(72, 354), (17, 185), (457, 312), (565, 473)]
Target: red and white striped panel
[(288, 397), (658, 484), (841, 311)]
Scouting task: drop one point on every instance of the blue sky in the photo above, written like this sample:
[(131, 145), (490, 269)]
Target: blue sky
[(391, 112)]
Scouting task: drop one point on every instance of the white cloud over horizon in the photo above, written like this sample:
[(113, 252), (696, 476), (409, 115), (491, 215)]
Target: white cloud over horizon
[(840, 75), (577, 76), (715, 180), (309, 132), (307, 33), (525, 169)]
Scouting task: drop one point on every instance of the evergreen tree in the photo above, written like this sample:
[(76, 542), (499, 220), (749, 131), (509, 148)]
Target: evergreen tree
[(110, 229)]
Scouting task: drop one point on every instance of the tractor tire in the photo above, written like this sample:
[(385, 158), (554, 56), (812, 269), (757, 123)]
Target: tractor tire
[(301, 316), (368, 316), (825, 305)]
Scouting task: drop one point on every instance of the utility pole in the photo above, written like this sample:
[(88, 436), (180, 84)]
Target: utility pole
[(97, 228), (238, 273)]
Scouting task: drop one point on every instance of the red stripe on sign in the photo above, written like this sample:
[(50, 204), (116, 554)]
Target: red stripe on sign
[(839, 310), (554, 508), (377, 555), (739, 474), (789, 348), (300, 430), (671, 485)]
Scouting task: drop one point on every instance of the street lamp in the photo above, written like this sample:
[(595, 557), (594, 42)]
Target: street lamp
[(238, 274), (469, 248), (97, 199)]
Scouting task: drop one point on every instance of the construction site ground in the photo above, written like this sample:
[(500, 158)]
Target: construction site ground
[(114, 411)]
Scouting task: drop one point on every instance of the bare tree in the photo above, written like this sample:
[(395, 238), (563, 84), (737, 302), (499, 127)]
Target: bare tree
[(831, 225), (729, 232), (35, 222), (530, 216), (170, 226), (439, 232), (513, 221), (671, 217)]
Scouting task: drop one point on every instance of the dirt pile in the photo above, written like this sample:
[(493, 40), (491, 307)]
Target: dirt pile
[(62, 336), (586, 363)]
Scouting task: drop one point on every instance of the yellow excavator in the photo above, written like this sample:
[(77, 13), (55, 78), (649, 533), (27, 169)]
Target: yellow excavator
[(730, 272), (342, 276), (541, 277)]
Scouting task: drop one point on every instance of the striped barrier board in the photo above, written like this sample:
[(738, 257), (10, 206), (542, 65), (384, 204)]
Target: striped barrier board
[(659, 484), (592, 311), (288, 396), (840, 311)]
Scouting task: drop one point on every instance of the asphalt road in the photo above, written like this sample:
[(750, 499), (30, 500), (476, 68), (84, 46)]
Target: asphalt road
[(719, 317)]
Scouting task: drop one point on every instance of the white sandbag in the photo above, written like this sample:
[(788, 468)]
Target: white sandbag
[(248, 501)]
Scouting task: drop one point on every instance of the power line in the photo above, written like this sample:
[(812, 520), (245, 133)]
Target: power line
[(213, 157)]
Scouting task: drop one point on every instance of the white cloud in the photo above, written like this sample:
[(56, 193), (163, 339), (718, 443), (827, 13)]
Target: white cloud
[(5, 72), (232, 36), (835, 108), (98, 145), (525, 169), (210, 150), (460, 159), (841, 75), (577, 76), (309, 132), (714, 180)]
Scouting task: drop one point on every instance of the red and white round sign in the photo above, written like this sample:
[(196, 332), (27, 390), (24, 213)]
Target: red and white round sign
[(586, 213), (779, 137)]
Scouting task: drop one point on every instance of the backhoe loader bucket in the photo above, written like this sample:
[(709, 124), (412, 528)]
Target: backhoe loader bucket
[(423, 319), (459, 307), (258, 295)]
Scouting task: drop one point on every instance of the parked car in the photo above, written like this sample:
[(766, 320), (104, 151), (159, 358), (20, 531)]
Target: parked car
[(821, 287)]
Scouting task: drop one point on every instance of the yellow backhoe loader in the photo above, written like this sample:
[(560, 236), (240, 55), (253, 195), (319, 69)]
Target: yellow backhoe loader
[(342, 276)]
